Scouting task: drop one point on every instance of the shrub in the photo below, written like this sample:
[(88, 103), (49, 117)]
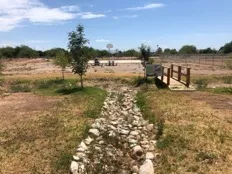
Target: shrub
[(201, 83), (20, 88)]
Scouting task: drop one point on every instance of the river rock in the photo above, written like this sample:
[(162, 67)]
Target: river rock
[(147, 167)]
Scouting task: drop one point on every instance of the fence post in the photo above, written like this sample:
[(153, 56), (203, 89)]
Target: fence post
[(168, 77), (188, 77), (171, 70), (179, 73), (162, 77)]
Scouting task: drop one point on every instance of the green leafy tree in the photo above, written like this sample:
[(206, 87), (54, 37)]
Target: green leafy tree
[(167, 51), (131, 53), (227, 48), (26, 52), (51, 53), (80, 57), (170, 51), (145, 52), (207, 51), (62, 61), (188, 49), (7, 52), (159, 51)]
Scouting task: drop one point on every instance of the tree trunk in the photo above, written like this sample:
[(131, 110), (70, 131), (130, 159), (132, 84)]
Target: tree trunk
[(63, 74), (82, 86)]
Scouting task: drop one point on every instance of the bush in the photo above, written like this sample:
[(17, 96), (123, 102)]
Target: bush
[(20, 88), (201, 83)]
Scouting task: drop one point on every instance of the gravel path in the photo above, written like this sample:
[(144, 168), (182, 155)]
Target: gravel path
[(121, 141)]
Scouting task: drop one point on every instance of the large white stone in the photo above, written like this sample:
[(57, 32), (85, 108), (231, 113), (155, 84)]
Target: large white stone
[(150, 127), (134, 133), (95, 132), (150, 155), (74, 167), (124, 132), (88, 140), (83, 146), (147, 167)]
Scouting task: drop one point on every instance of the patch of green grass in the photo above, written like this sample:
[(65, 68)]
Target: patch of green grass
[(201, 83), (141, 102), (221, 90), (20, 88)]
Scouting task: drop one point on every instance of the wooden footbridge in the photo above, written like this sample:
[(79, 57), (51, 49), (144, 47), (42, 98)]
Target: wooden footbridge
[(177, 77)]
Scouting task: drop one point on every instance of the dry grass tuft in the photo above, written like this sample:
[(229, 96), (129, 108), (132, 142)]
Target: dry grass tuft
[(197, 138)]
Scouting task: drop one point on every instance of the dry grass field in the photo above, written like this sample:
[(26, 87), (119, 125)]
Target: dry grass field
[(42, 119), (197, 132)]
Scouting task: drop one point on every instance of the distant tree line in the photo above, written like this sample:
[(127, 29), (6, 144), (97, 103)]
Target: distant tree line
[(24, 51)]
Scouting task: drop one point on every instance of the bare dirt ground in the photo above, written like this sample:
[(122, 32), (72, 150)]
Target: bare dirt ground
[(41, 66), (21, 106)]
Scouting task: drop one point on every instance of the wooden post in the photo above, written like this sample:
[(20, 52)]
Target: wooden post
[(168, 76), (162, 77), (188, 77), (179, 73), (171, 70)]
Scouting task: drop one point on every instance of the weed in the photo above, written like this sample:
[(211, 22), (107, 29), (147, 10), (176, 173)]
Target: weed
[(201, 83), (20, 88), (221, 90)]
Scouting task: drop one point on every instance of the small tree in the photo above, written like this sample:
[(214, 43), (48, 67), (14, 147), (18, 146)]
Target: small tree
[(62, 61), (188, 49), (79, 55), (145, 55)]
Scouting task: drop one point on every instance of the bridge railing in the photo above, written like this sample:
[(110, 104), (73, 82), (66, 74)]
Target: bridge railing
[(180, 73), (166, 71)]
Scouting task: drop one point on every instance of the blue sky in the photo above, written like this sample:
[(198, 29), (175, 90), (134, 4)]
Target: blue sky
[(43, 24)]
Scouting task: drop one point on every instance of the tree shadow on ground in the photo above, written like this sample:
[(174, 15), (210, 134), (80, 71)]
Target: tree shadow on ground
[(67, 91)]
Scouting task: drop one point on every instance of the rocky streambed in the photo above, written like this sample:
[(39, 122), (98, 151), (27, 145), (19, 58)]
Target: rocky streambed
[(120, 141)]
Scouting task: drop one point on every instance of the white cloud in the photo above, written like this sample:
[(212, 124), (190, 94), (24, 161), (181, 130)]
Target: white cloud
[(102, 40), (127, 16), (145, 7), (71, 8), (14, 12), (131, 16), (90, 15)]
